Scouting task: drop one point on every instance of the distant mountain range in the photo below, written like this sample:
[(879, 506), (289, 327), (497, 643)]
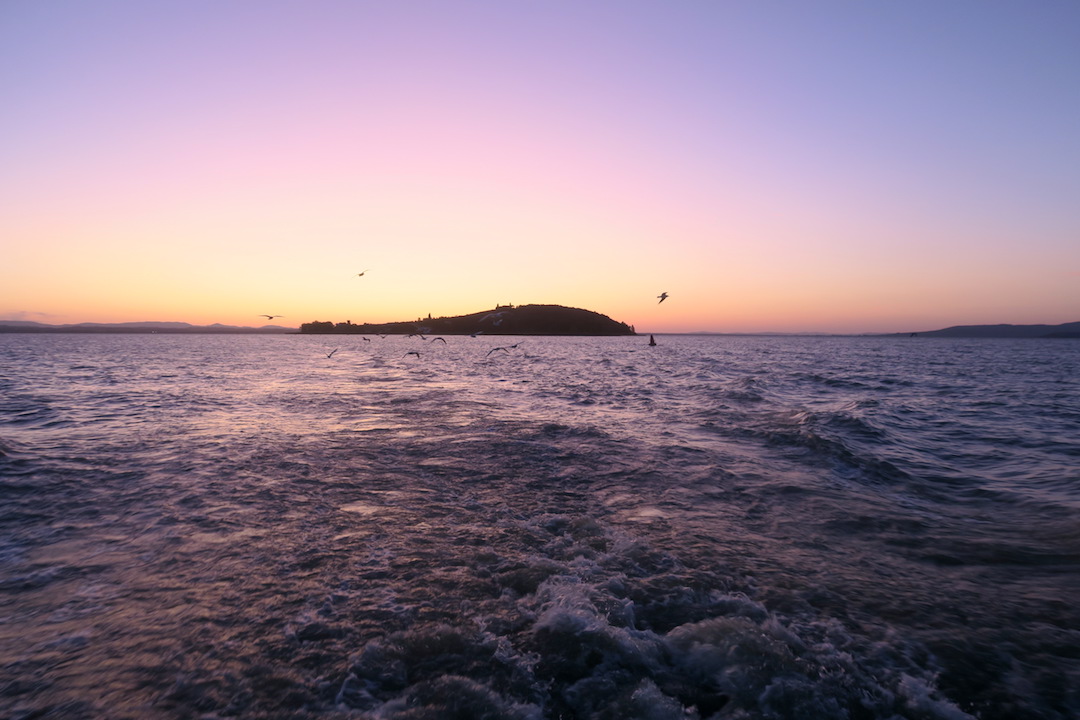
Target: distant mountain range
[(1065, 330), (522, 320), (22, 326)]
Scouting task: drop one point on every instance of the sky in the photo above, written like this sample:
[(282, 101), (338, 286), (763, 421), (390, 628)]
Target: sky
[(832, 166)]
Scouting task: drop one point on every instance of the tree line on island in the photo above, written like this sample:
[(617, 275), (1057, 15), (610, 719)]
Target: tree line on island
[(502, 320)]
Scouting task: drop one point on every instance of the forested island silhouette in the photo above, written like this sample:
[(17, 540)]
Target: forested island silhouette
[(501, 320)]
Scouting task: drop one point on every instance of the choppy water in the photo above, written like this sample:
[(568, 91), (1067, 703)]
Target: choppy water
[(230, 526)]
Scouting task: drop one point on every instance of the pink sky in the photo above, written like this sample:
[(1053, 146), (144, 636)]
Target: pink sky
[(840, 167)]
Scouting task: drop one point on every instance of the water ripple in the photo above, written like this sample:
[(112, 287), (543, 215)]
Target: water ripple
[(587, 527)]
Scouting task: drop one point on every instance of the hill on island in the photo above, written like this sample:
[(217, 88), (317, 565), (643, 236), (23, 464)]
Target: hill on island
[(503, 320)]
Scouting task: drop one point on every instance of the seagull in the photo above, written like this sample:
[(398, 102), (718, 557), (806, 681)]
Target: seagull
[(506, 349), (271, 317), (439, 338), (361, 274), (663, 296), (331, 353), (411, 352)]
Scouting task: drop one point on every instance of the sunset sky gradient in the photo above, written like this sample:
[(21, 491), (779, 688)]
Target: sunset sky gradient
[(774, 166)]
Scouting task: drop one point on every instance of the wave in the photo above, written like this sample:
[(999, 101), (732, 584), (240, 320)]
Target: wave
[(726, 528)]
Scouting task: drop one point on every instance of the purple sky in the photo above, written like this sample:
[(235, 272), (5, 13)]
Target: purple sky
[(833, 166)]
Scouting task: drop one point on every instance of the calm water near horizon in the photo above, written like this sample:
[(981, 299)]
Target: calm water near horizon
[(197, 526)]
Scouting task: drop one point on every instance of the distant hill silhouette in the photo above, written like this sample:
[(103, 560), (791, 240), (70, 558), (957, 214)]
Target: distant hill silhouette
[(1065, 330), (22, 326), (503, 320)]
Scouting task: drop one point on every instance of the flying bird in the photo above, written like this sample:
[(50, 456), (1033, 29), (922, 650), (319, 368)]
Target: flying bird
[(439, 338), (411, 352), (271, 317), (663, 296), (361, 274), (331, 353), (506, 349)]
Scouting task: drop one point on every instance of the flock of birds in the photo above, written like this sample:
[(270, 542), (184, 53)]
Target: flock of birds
[(506, 349)]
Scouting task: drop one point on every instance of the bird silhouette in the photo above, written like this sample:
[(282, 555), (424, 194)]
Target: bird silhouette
[(506, 349), (411, 352), (361, 274), (271, 317), (331, 353), (439, 338), (663, 296)]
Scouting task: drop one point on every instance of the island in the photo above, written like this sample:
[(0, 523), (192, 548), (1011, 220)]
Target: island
[(502, 320), (1064, 330)]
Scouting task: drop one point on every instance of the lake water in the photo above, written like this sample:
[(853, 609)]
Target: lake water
[(198, 526)]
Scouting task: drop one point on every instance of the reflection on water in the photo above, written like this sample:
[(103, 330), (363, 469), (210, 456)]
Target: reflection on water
[(207, 526)]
